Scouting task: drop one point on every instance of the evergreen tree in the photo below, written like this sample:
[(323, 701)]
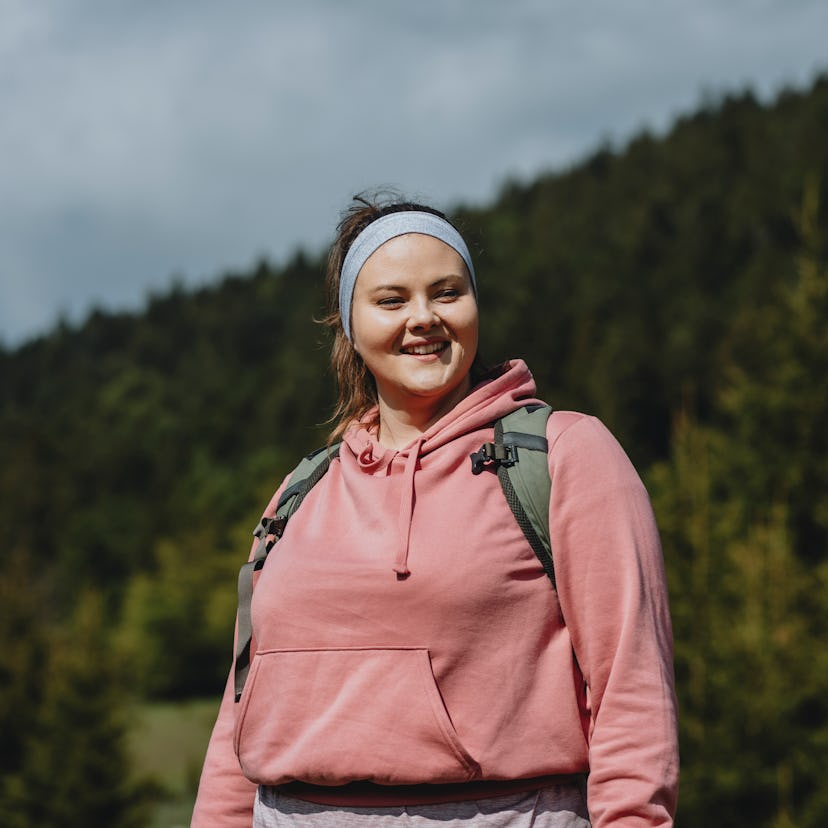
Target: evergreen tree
[(76, 771), (776, 398), (23, 633), (739, 505)]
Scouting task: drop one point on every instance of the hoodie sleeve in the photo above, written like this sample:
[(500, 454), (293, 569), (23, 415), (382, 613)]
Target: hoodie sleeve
[(225, 796), (613, 595)]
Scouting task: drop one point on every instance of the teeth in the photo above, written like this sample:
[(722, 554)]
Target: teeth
[(425, 349)]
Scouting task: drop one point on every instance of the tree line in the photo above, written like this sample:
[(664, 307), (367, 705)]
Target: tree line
[(676, 286)]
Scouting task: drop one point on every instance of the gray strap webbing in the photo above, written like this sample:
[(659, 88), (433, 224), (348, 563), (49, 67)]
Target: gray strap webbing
[(533, 442), (245, 626), (304, 477)]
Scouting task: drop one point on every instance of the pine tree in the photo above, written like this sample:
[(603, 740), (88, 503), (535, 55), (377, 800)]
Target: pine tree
[(739, 506), (22, 631), (76, 771)]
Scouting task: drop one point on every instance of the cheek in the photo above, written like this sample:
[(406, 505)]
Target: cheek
[(471, 332), (373, 331), (363, 330), (370, 344)]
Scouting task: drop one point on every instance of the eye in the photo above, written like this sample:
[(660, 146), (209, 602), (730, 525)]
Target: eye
[(390, 301), (448, 294)]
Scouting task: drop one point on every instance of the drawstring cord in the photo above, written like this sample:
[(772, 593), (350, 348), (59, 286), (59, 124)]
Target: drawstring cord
[(407, 510)]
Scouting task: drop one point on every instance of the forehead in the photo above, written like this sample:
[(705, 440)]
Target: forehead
[(412, 254)]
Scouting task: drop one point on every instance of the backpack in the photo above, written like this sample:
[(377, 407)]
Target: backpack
[(518, 455)]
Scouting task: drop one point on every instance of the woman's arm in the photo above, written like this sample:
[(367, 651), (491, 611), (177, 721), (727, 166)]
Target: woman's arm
[(613, 595), (225, 796)]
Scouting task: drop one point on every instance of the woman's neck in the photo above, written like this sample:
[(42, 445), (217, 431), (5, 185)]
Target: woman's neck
[(401, 425)]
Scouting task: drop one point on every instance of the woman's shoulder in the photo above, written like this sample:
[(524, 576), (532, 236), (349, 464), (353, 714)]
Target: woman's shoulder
[(560, 422), (583, 438)]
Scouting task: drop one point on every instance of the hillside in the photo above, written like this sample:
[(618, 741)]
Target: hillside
[(677, 287)]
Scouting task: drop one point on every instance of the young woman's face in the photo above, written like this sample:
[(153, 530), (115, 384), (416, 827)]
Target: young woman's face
[(414, 322)]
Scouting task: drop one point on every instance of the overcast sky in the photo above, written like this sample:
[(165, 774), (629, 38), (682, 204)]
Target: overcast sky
[(145, 141)]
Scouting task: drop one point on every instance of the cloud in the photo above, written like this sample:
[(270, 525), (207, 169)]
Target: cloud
[(145, 139)]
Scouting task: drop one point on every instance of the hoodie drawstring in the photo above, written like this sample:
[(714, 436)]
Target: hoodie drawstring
[(407, 509)]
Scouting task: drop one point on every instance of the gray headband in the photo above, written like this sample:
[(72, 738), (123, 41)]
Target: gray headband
[(380, 231)]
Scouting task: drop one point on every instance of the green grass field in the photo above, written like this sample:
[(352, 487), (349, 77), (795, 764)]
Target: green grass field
[(168, 742)]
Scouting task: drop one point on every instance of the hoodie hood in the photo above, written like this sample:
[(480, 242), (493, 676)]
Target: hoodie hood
[(488, 401)]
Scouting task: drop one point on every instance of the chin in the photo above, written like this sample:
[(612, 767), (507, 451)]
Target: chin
[(437, 393)]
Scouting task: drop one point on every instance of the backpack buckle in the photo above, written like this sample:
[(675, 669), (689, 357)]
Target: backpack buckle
[(493, 455), (271, 526)]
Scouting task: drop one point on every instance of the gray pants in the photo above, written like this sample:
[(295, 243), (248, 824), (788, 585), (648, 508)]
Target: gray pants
[(557, 806)]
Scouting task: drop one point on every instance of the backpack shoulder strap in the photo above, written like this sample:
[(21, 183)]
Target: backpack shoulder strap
[(271, 527), (301, 480), (519, 453)]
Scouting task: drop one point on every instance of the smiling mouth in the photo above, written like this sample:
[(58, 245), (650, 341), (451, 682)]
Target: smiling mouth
[(424, 350)]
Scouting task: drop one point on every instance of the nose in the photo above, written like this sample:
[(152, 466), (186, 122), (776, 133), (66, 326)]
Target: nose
[(422, 314)]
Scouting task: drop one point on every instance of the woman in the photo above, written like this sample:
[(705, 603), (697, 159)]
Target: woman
[(413, 664)]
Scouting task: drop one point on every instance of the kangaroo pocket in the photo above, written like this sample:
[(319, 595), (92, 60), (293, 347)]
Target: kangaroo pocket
[(332, 716)]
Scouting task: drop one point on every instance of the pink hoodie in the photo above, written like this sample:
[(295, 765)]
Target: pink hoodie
[(405, 632)]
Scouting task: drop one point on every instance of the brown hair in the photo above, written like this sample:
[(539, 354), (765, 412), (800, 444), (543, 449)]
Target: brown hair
[(357, 388)]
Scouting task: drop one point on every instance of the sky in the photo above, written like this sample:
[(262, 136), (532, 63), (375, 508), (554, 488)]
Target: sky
[(145, 143)]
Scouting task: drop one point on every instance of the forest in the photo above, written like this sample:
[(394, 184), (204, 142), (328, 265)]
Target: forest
[(676, 286)]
